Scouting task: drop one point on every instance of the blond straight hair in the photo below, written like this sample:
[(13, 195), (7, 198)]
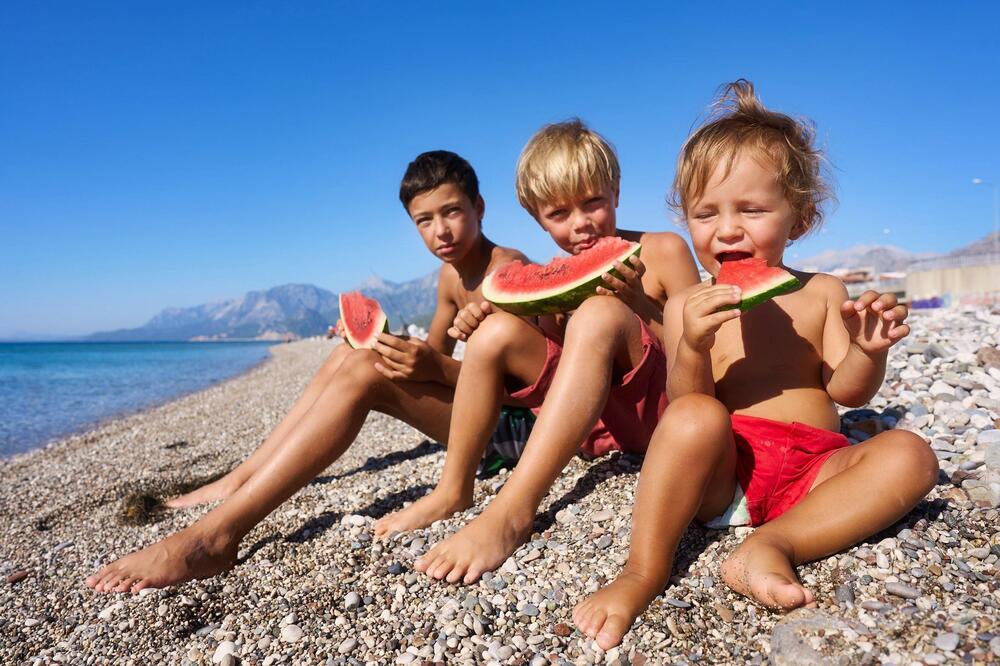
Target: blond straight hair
[(563, 161)]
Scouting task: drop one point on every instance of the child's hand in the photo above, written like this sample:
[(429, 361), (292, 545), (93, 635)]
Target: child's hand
[(702, 317), (628, 288), (339, 330), (468, 319), (406, 358), (875, 321)]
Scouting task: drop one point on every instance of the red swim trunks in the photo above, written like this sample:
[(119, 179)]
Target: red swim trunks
[(634, 404), (777, 462)]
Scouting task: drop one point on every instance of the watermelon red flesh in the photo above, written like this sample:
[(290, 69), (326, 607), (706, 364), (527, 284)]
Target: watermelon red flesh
[(362, 318), (560, 285), (757, 281)]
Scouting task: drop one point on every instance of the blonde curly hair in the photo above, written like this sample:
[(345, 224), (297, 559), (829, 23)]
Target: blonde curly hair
[(739, 122)]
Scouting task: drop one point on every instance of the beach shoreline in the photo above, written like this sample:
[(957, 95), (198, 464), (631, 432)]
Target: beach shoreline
[(91, 424), (312, 586)]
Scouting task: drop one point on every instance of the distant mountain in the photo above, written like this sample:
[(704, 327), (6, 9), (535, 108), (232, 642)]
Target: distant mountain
[(291, 310), (984, 245), (880, 258)]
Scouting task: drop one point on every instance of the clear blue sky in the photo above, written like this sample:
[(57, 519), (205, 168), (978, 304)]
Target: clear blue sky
[(171, 153)]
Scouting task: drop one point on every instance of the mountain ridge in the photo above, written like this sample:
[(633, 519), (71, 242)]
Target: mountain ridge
[(287, 311)]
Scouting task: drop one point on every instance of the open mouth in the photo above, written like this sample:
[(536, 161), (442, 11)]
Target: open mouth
[(587, 244), (732, 256)]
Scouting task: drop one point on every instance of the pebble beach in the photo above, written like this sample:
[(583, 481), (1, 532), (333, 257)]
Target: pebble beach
[(312, 587)]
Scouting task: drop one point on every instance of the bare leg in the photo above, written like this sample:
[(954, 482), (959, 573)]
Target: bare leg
[(227, 485), (503, 345), (689, 472), (842, 508), (603, 331), (322, 434)]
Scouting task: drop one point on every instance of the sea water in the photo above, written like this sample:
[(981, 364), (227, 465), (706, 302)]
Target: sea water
[(51, 389)]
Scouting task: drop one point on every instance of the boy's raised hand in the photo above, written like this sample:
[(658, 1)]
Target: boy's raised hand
[(702, 317), (875, 321), (406, 358), (468, 319), (628, 287)]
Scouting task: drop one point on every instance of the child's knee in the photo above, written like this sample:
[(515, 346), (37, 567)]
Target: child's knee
[(916, 459), (695, 418), (498, 332), (358, 368), (599, 314)]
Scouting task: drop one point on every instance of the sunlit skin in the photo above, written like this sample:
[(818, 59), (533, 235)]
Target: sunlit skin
[(409, 379), (788, 360), (602, 339)]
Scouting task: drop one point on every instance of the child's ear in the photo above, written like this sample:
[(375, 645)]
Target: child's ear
[(802, 223), (480, 207)]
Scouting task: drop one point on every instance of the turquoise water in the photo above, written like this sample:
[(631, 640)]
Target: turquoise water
[(52, 389)]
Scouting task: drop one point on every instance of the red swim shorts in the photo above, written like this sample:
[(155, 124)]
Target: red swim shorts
[(634, 404), (777, 462)]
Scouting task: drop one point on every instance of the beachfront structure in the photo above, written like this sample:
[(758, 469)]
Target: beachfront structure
[(956, 280)]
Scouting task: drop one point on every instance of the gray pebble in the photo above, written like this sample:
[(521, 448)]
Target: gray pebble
[(901, 590), (352, 600), (946, 642)]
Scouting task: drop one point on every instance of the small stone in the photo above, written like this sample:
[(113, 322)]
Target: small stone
[(562, 630), (395, 568), (228, 660), (845, 594), (531, 610), (17, 576), (30, 622), (988, 437), (725, 612), (291, 633), (348, 646), (677, 603), (352, 600), (356, 520), (602, 515), (901, 590), (532, 555), (225, 647), (946, 642)]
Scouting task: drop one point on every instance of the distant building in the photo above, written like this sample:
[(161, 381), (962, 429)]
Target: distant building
[(955, 280)]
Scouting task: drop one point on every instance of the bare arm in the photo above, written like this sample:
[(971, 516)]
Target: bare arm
[(688, 370), (857, 336)]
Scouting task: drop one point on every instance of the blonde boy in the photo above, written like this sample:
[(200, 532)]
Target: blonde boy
[(602, 382), (752, 416)]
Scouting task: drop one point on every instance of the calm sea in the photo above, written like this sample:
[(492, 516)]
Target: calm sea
[(52, 389)]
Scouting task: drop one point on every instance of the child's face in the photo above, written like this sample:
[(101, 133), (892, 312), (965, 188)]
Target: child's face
[(745, 215), (577, 224), (448, 222)]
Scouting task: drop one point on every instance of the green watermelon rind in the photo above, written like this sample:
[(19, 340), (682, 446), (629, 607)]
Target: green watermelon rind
[(354, 342), (763, 294), (562, 299)]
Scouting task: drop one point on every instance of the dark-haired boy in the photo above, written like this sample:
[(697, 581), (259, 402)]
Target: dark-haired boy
[(409, 379)]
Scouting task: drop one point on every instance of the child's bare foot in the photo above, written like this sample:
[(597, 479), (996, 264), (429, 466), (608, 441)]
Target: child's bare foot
[(437, 505), (181, 557), (219, 489), (762, 571), (608, 614), (481, 546)]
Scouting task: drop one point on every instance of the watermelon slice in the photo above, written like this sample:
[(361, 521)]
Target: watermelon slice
[(362, 318), (560, 285), (758, 281)]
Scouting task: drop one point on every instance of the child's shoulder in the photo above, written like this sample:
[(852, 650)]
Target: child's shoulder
[(821, 286), (502, 255), (666, 243)]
